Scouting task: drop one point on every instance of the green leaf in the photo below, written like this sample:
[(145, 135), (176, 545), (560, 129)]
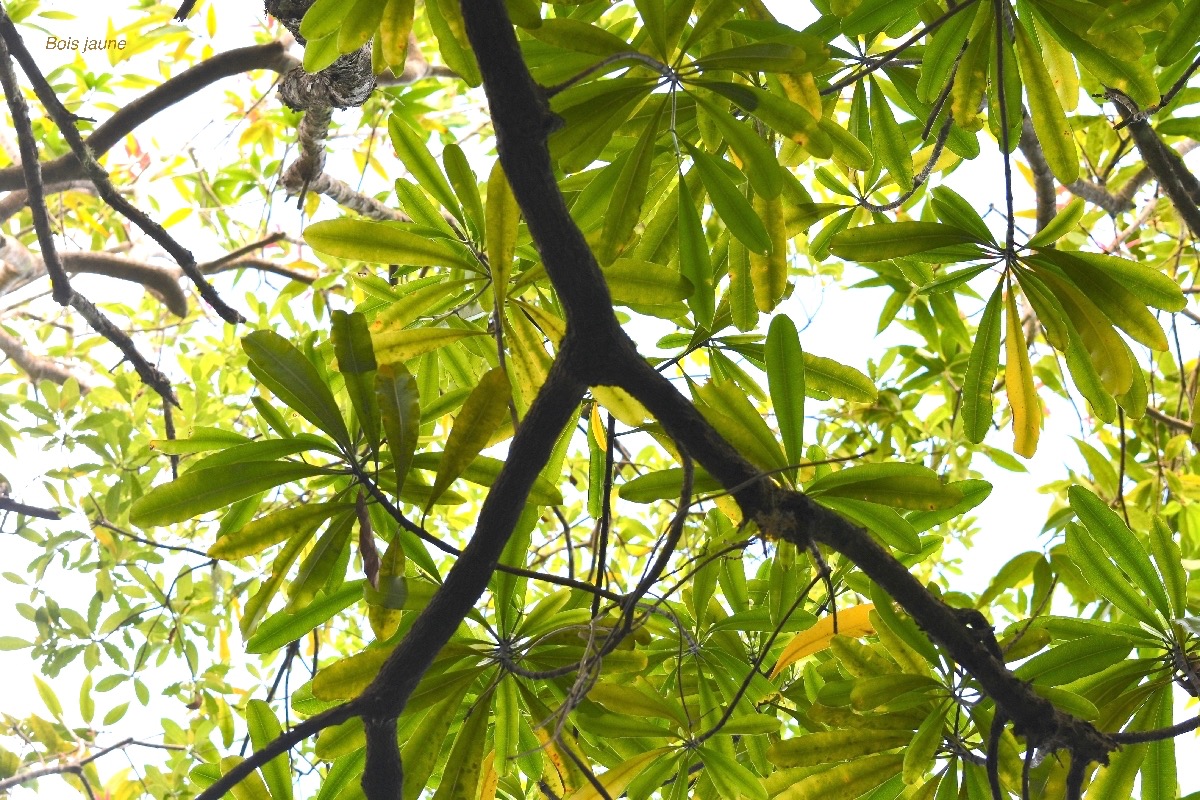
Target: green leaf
[(637, 282), (466, 188), (890, 145), (881, 242), (1049, 121), (981, 371), (264, 728), (502, 220), (274, 528), (400, 407), (358, 26), (1105, 578), (1075, 659), (760, 57), (320, 562), (1179, 37), (874, 15), (1063, 223), (356, 363), (484, 471), (392, 347), (777, 112), (694, 260), (386, 243), (1146, 283), (730, 203), (293, 379), (415, 156), (785, 379), (580, 36), (730, 777), (1118, 304), (287, 626), (625, 202), (200, 491), (481, 414), (48, 697), (837, 380), (1168, 560), (201, 440), (899, 485), (884, 522), (666, 484), (953, 209), (759, 162), (323, 18), (1114, 536)]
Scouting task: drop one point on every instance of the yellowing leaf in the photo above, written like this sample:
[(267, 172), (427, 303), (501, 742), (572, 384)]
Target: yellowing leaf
[(481, 414), (854, 621), (1018, 383), (616, 779)]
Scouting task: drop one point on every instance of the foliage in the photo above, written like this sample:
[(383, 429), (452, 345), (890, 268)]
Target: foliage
[(442, 504)]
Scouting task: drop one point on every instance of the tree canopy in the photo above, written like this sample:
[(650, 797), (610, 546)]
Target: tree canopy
[(448, 427)]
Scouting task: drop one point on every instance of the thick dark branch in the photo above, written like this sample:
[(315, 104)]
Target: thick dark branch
[(1167, 167), (8, 504), (522, 123), (384, 700), (271, 56)]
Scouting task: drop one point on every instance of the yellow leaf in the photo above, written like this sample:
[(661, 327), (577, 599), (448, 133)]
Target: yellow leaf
[(853, 621), (1018, 383)]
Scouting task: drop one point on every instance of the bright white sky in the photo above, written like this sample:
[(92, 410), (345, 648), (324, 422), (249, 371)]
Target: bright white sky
[(843, 328)]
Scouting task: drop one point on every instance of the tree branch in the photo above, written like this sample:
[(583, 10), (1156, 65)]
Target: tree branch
[(273, 56), (65, 121), (37, 367)]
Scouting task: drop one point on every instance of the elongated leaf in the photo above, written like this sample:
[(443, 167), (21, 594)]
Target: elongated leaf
[(883, 521), (731, 778), (286, 626), (385, 243), (890, 145), (264, 450), (356, 362), (694, 261), (788, 118), (900, 485), (838, 380), (1018, 383), (483, 471), (1049, 120), (758, 159), (616, 779), (1148, 284), (1069, 661), (466, 187), (481, 414), (418, 160), (397, 346), (200, 491), (293, 379), (981, 371), (400, 406), (883, 242), (579, 36), (731, 205), (201, 440), (953, 209), (273, 528), (970, 79), (1179, 37), (854, 621), (1064, 221), (502, 220), (666, 484), (264, 728), (769, 272), (1114, 536), (625, 202), (637, 282), (785, 378), (320, 562), (1104, 577), (1118, 303)]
